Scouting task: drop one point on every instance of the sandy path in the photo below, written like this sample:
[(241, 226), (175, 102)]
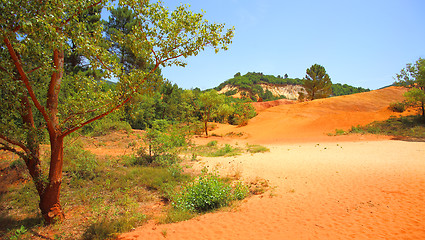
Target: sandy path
[(348, 190)]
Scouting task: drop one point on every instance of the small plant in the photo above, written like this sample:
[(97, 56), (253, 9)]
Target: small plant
[(164, 232), (257, 149), (18, 233), (240, 191), (227, 150), (212, 143)]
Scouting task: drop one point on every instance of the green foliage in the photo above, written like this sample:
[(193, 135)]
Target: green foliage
[(106, 126), (257, 149), (210, 106), (398, 107), (162, 143), (413, 77), (339, 89), (317, 83), (227, 151), (110, 228), (18, 233), (249, 84), (240, 191), (38, 92), (206, 193), (79, 163), (243, 112), (177, 215), (410, 126), (212, 143)]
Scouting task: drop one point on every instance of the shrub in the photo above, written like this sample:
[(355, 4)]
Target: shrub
[(212, 144), (78, 162), (206, 193), (162, 143), (106, 126), (397, 107)]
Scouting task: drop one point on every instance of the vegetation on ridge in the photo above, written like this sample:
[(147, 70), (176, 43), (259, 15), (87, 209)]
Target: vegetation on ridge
[(250, 83)]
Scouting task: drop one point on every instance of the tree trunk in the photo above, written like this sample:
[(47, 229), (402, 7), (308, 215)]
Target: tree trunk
[(206, 127), (50, 206), (49, 199)]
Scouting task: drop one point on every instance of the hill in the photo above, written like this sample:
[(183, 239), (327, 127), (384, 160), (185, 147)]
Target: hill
[(259, 86), (313, 120)]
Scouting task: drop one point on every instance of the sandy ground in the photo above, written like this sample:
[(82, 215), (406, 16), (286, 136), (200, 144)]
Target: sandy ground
[(355, 187), (350, 190)]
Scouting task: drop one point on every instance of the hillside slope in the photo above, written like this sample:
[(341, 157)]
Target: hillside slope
[(313, 120)]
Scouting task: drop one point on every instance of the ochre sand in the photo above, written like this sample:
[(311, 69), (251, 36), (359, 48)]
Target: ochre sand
[(355, 187)]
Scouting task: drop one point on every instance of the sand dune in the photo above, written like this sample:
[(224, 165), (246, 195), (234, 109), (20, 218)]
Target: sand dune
[(311, 121), (322, 187)]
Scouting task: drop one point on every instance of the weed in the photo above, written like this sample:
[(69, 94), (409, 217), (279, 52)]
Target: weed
[(227, 150), (164, 232), (240, 191), (177, 215), (257, 149), (212, 143), (18, 233)]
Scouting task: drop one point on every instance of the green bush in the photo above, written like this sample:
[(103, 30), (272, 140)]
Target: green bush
[(398, 107), (206, 193), (79, 163), (105, 126), (162, 143)]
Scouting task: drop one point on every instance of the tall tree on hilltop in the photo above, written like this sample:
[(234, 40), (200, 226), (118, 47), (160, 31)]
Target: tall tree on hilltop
[(317, 83), (34, 39)]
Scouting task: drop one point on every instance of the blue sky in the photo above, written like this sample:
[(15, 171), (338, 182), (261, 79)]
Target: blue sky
[(361, 43)]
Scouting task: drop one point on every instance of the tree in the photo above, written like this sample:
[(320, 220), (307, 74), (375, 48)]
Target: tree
[(413, 77), (317, 83), (35, 36), (210, 105)]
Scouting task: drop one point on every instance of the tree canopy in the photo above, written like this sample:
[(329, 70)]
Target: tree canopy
[(317, 82), (413, 77)]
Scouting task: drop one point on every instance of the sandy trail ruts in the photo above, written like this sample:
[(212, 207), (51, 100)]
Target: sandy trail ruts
[(349, 190)]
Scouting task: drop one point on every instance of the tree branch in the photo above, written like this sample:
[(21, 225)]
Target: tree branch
[(10, 149), (69, 131), (13, 142), (33, 70), (24, 78)]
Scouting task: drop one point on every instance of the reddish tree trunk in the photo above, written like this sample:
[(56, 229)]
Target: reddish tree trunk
[(49, 200), (50, 206)]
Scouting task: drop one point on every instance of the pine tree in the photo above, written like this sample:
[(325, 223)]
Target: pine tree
[(317, 83)]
